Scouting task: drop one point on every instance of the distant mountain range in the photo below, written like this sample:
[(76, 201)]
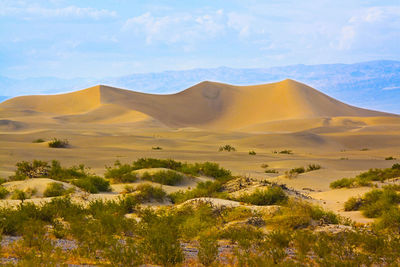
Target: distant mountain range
[(373, 85)]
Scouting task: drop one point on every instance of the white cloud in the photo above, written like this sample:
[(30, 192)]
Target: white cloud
[(391, 88), (29, 11), (377, 22), (187, 28)]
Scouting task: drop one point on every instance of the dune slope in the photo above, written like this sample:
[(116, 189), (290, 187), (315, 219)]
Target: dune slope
[(207, 105)]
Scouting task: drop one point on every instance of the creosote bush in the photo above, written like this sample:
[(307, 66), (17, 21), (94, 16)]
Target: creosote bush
[(39, 140), (121, 173), (366, 178), (58, 143), (93, 184), (270, 196), (148, 192), (163, 177), (227, 148), (252, 153), (54, 190), (3, 192)]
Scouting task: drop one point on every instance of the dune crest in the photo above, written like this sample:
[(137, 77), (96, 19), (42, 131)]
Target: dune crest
[(207, 105)]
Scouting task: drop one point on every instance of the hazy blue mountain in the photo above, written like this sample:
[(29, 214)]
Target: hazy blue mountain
[(374, 84)]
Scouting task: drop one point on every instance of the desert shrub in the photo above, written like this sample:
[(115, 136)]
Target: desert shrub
[(294, 172), (237, 213), (272, 195), (271, 171), (54, 190), (57, 172), (121, 173), (228, 148), (245, 236), (34, 169), (389, 219), (390, 158), (252, 152), (3, 192), (163, 177), (146, 163), (203, 189), (214, 170), (93, 184), (208, 247), (156, 148), (3, 180), (160, 234), (344, 182), (128, 253), (58, 143), (313, 167), (286, 151), (353, 203), (377, 201), (20, 195), (148, 192), (39, 140), (365, 178), (299, 214)]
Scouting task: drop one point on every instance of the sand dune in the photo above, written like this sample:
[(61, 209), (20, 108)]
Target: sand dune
[(285, 106)]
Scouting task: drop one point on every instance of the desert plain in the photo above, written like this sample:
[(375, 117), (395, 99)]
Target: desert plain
[(103, 124)]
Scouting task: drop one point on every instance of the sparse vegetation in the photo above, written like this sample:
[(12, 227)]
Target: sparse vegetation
[(271, 171), (313, 167), (227, 148), (270, 196), (3, 192), (203, 189), (148, 192), (54, 190), (121, 173), (39, 140), (390, 158), (366, 178), (252, 153), (156, 148), (58, 143), (93, 184), (163, 177), (286, 151)]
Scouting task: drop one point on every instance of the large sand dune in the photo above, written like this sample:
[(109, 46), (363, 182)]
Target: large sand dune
[(207, 105)]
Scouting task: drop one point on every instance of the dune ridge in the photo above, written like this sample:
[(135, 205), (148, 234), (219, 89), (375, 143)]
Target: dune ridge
[(207, 105)]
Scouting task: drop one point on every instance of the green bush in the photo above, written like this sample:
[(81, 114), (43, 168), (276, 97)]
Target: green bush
[(228, 148), (39, 140), (163, 177), (148, 192), (294, 172), (272, 195), (34, 169), (390, 158), (203, 189), (313, 167), (58, 143), (121, 173), (365, 178), (208, 248), (156, 148), (54, 190), (93, 184), (3, 192), (344, 182), (353, 203), (286, 151), (146, 163), (271, 171), (20, 195), (252, 152)]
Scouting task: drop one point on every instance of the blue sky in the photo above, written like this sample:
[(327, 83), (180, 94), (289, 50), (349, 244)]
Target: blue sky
[(100, 39)]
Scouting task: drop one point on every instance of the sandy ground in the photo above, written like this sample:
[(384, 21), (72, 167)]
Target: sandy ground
[(104, 124)]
